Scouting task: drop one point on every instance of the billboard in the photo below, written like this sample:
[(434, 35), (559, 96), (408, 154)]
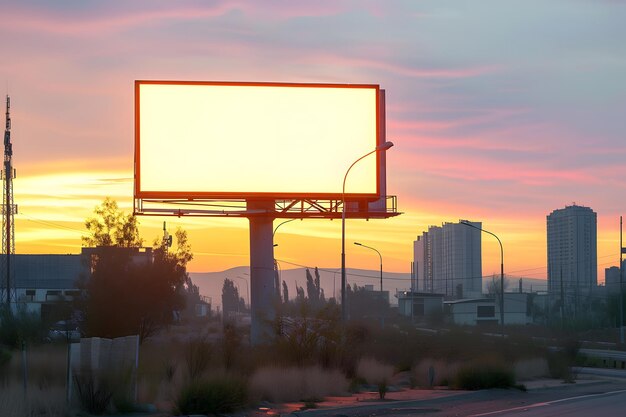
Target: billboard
[(223, 140)]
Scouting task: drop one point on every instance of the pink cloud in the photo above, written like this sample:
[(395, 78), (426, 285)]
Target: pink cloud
[(108, 21), (23, 20), (483, 117), (402, 70), (477, 169)]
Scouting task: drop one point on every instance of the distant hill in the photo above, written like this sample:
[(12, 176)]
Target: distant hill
[(210, 283)]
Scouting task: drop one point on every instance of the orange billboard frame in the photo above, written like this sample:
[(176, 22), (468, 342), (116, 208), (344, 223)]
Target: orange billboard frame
[(208, 194)]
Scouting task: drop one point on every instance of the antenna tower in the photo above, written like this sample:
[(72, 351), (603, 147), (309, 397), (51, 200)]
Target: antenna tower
[(8, 208)]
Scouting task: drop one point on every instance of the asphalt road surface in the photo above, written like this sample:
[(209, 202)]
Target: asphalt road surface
[(598, 398)]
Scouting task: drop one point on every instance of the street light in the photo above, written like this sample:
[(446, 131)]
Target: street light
[(275, 261), (280, 224), (383, 147), (247, 287), (501, 271), (381, 263)]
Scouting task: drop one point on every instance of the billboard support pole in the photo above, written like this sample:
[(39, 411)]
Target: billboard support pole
[(262, 291)]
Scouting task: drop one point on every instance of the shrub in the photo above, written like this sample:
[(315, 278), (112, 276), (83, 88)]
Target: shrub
[(296, 384), (526, 369), (231, 343), (382, 389), (197, 356), (373, 371), (214, 396), (19, 327), (483, 376), (94, 393), (562, 361), (442, 372), (49, 402), (5, 359)]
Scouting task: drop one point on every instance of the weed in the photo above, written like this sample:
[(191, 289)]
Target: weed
[(197, 356), (356, 383), (309, 404), (382, 389), (373, 371), (293, 383), (94, 393), (213, 396), (484, 375)]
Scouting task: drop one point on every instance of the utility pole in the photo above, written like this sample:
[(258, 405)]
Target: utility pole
[(8, 208), (621, 291), (562, 299)]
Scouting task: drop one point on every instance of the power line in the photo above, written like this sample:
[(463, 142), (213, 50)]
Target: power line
[(51, 224)]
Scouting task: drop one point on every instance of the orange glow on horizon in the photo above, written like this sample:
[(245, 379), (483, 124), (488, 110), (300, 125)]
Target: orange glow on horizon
[(47, 223)]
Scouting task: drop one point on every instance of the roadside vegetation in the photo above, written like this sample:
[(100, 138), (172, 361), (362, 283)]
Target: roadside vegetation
[(206, 365)]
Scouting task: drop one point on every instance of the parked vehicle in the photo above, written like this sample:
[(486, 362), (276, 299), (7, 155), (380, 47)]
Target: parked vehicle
[(64, 330)]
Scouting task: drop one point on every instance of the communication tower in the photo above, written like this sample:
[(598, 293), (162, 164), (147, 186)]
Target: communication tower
[(9, 209)]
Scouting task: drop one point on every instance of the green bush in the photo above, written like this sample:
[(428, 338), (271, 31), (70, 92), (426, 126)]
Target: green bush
[(214, 396), (19, 327), (560, 362), (483, 376), (5, 357)]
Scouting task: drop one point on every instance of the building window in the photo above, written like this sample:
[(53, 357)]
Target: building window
[(485, 311)]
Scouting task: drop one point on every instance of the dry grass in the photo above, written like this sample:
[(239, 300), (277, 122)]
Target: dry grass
[(49, 402), (527, 369), (445, 372), (46, 365), (373, 371), (297, 384)]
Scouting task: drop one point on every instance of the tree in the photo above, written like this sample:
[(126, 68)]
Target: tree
[(128, 291), (111, 227), (285, 292), (493, 287), (312, 290), (300, 298), (125, 296), (231, 301)]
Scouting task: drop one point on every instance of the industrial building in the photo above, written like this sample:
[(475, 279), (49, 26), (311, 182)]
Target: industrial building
[(41, 283)]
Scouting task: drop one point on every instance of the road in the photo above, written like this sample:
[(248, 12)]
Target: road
[(604, 398), (611, 403)]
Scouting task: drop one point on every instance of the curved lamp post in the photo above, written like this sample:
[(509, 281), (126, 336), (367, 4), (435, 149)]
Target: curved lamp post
[(501, 272), (383, 147), (381, 262), (247, 287), (280, 224)]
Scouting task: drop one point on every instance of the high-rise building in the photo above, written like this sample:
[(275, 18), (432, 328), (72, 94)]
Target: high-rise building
[(418, 282), (612, 278), (572, 258), (447, 260)]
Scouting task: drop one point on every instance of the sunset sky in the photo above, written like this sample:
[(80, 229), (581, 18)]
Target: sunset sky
[(500, 111)]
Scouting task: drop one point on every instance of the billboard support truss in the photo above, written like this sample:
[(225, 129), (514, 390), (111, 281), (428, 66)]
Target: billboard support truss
[(282, 209)]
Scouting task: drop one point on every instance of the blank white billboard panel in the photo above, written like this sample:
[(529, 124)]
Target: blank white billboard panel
[(254, 140)]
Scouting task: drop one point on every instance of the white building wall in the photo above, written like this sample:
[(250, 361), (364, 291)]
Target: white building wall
[(419, 265)]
